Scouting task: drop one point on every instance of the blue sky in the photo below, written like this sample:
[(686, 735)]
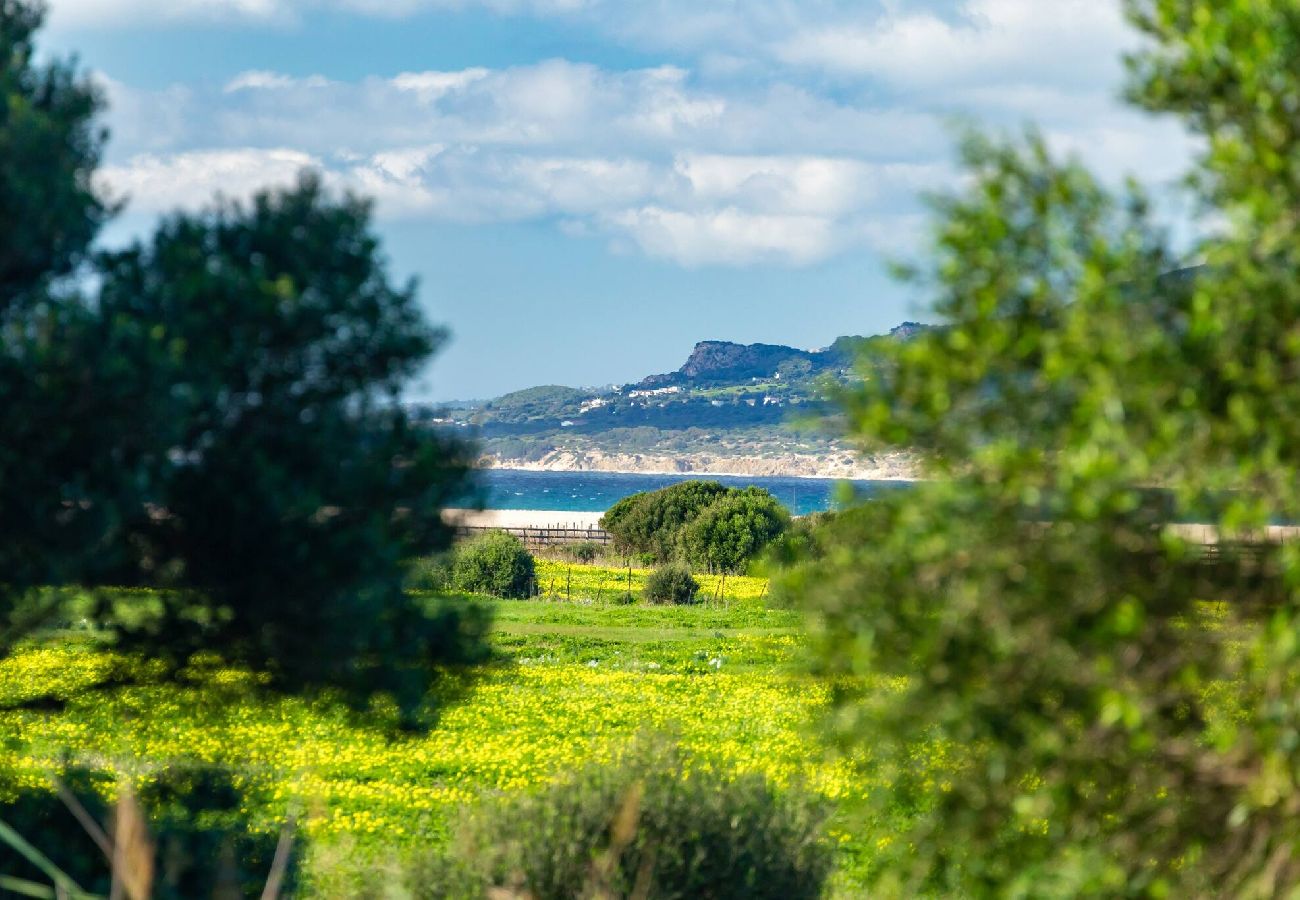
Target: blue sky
[(585, 188)]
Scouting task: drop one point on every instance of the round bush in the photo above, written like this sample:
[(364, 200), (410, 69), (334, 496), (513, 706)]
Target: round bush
[(585, 551), (495, 564), (649, 824), (734, 530), (672, 584)]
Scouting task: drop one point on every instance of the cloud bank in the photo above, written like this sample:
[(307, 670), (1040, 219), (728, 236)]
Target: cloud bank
[(801, 130)]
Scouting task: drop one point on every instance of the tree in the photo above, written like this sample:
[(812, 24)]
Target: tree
[(734, 529), (649, 523), (49, 148), (1068, 716), (221, 420), (61, 489), (275, 349)]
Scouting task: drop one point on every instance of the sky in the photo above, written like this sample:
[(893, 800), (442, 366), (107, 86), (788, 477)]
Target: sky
[(586, 188)]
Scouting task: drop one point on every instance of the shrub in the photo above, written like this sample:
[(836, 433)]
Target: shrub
[(805, 539), (496, 564), (671, 584), (585, 551), (431, 573), (647, 825), (735, 529)]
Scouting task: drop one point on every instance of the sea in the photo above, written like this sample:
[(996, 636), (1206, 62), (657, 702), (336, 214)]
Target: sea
[(598, 491)]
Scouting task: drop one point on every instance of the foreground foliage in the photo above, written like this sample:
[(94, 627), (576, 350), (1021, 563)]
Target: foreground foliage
[(212, 410), (652, 824), (195, 834), (1034, 602)]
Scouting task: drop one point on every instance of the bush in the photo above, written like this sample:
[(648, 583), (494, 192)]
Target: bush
[(585, 551), (806, 538), (671, 584), (431, 573), (733, 530), (495, 564), (647, 825)]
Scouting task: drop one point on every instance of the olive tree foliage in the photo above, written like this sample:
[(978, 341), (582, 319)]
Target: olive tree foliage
[(219, 420), (1073, 712)]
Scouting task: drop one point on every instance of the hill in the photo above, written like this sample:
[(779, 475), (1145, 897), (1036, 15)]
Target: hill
[(730, 407)]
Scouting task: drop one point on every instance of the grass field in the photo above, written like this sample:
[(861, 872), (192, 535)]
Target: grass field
[(579, 680)]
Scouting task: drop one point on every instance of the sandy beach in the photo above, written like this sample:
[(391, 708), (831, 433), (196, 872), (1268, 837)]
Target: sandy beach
[(521, 518)]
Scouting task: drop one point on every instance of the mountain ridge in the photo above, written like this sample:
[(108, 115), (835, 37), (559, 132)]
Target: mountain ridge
[(715, 360)]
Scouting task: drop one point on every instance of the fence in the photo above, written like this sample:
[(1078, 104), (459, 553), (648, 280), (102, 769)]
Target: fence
[(546, 536)]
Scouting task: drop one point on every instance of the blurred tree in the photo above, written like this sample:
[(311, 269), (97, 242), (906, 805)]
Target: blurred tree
[(1068, 716), (273, 349), (60, 486), (50, 145), (222, 421)]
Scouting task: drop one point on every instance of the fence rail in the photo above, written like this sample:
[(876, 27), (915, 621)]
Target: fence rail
[(547, 536)]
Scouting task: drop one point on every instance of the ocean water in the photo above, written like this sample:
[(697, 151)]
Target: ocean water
[(598, 491)]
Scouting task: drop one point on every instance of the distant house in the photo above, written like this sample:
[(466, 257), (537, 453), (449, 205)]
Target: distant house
[(567, 423), (657, 392)]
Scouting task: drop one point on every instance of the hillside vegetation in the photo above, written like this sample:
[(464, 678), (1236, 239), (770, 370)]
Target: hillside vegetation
[(727, 401)]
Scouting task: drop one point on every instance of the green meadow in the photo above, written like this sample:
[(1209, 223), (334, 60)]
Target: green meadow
[(574, 681)]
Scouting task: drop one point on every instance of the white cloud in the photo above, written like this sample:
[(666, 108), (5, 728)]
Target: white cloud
[(999, 41), (803, 129), (159, 183), (271, 81), (116, 13), (429, 86), (727, 236), (648, 158)]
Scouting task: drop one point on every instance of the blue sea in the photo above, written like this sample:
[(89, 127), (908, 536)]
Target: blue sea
[(598, 491)]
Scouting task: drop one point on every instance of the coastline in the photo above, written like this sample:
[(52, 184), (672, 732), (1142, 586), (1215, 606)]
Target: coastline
[(839, 467)]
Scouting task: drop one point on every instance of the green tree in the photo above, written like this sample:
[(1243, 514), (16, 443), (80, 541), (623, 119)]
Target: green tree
[(61, 489), (649, 523), (1069, 717), (734, 529), (672, 584), (274, 348), (221, 419), (50, 145)]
